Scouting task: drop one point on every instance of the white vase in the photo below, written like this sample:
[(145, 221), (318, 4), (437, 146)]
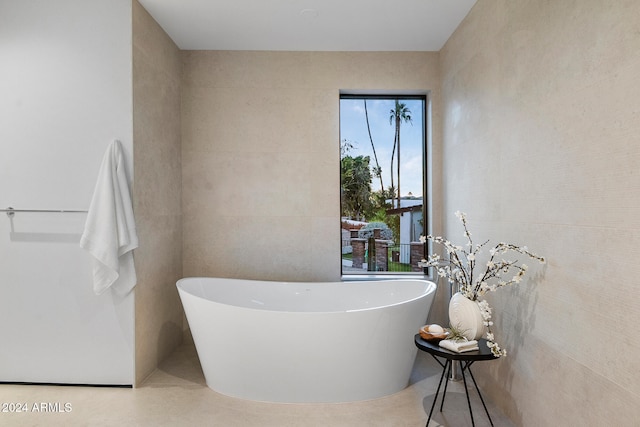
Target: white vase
[(465, 315)]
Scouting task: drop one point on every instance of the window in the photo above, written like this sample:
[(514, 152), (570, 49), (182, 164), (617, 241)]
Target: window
[(382, 183)]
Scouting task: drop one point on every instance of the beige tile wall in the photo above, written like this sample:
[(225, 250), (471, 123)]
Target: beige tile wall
[(157, 191), (260, 149), (541, 107)]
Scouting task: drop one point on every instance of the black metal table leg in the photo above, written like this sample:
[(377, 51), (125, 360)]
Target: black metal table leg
[(481, 399), (435, 398), (464, 379), (444, 393)]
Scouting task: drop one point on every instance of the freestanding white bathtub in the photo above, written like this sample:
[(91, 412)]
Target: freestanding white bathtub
[(306, 342)]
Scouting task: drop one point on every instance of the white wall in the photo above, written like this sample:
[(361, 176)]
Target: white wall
[(65, 81)]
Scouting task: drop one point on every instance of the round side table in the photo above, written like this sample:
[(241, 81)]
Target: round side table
[(466, 359)]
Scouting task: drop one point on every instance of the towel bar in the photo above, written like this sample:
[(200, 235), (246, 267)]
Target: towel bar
[(11, 211)]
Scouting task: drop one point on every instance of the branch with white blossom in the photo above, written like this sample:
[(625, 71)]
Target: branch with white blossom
[(460, 268)]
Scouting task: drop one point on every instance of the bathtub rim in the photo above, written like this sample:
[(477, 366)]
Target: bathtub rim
[(431, 288)]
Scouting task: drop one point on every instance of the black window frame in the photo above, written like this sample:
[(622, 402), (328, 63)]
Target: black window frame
[(425, 98)]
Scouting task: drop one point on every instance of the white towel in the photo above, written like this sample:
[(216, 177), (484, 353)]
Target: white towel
[(110, 232), (459, 346)]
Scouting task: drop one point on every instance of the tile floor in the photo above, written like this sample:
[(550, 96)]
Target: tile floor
[(176, 395)]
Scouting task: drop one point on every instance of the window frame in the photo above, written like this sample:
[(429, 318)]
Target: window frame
[(425, 97)]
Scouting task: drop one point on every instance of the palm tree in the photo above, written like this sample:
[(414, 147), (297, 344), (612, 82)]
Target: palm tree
[(398, 115), (377, 170)]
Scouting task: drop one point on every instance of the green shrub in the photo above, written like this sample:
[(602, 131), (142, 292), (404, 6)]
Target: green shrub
[(367, 231)]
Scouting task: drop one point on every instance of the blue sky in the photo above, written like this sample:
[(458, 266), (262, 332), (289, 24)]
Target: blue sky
[(353, 127)]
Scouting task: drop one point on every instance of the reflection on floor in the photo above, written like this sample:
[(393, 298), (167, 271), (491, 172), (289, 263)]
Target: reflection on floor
[(176, 395)]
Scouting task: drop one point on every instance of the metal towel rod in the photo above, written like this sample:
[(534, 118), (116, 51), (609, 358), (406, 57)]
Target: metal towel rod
[(11, 211)]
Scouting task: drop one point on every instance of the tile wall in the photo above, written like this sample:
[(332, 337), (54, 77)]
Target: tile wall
[(157, 191), (541, 110), (260, 149)]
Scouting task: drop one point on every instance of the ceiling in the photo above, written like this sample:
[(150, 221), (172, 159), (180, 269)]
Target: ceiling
[(309, 25)]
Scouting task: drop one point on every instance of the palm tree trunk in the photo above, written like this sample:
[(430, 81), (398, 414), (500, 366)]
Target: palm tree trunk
[(393, 153), (398, 138), (375, 156)]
